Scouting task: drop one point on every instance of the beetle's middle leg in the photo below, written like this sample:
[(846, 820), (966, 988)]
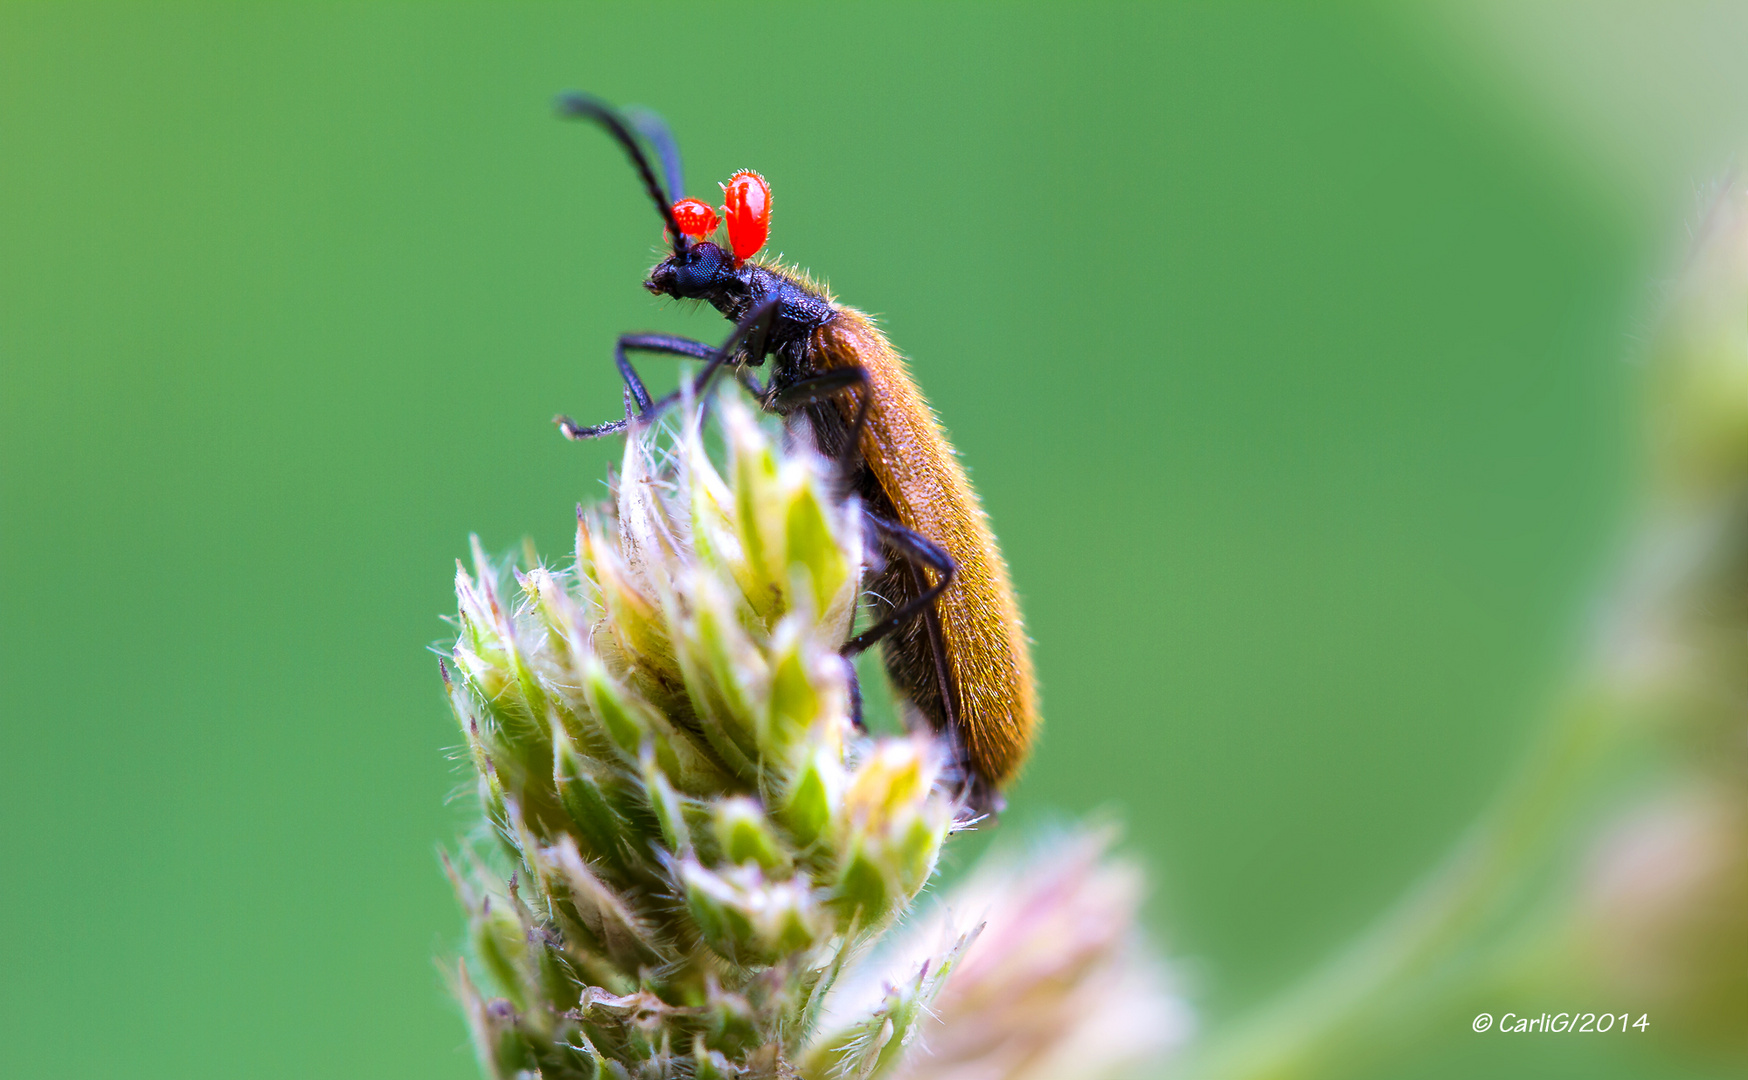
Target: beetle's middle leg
[(822, 387)]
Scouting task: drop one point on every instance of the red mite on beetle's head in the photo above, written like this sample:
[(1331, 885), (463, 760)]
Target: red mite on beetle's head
[(746, 209), (702, 270)]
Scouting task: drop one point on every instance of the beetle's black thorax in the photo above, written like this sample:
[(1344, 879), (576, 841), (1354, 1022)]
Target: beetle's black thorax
[(800, 311)]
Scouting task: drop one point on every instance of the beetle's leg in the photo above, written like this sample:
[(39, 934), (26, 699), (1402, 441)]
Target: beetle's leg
[(758, 322), (820, 387), (575, 432), (750, 381), (753, 331), (679, 346), (856, 720), (920, 552), (653, 343), (649, 343), (633, 381)]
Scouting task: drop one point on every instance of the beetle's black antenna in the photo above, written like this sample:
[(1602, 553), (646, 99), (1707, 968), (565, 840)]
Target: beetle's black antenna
[(585, 107), (655, 131)]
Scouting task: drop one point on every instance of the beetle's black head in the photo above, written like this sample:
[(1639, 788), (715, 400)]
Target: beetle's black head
[(703, 271)]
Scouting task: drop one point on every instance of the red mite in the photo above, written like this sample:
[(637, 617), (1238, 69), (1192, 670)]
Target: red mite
[(747, 208), (943, 606), (696, 218)]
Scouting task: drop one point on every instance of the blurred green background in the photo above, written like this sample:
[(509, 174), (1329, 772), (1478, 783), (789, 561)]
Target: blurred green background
[(1290, 351)]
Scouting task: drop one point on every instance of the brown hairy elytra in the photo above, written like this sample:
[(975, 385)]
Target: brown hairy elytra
[(989, 661), (943, 605)]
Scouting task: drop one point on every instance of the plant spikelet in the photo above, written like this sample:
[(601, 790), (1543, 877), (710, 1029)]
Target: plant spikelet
[(686, 836)]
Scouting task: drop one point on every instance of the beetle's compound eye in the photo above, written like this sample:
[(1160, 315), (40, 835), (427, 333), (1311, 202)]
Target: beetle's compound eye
[(695, 217), (747, 207)]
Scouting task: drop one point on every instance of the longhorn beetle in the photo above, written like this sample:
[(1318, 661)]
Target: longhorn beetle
[(954, 645)]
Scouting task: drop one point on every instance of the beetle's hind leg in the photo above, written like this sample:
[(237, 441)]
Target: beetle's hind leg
[(916, 549), (921, 553)]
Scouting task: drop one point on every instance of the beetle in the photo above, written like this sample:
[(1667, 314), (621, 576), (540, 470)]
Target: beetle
[(955, 646)]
